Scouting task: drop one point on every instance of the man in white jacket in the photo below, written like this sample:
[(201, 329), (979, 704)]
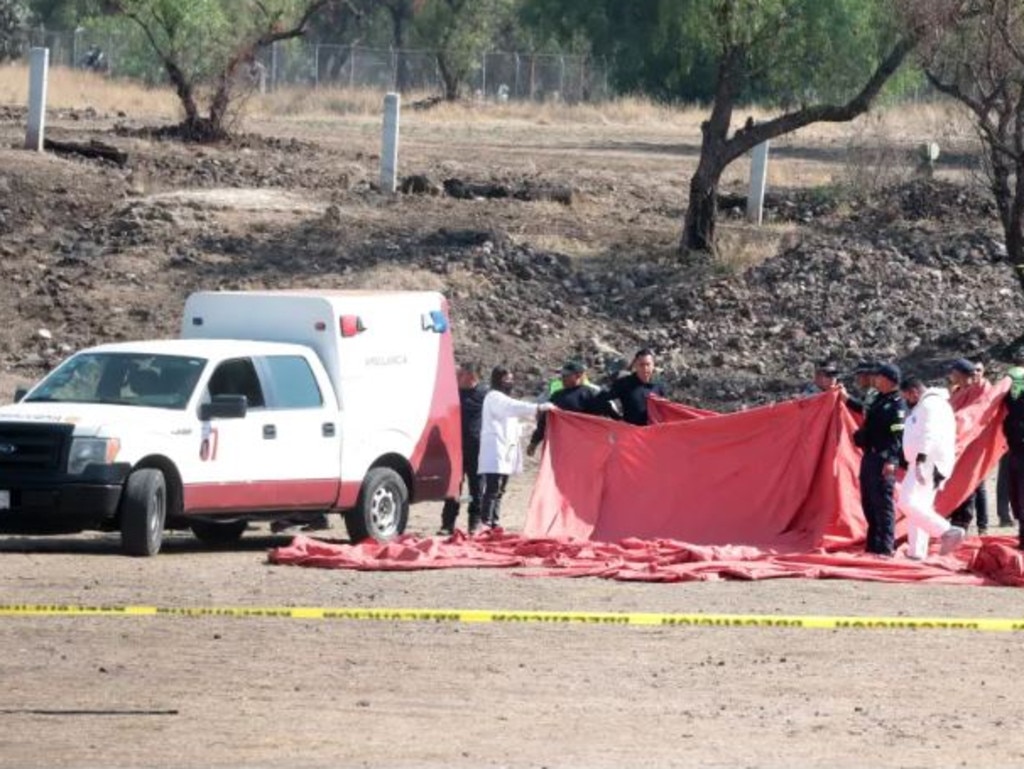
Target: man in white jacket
[(501, 452), (929, 447)]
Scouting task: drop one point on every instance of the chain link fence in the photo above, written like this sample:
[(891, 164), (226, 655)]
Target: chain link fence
[(494, 76)]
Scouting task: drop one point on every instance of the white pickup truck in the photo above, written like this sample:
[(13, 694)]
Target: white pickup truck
[(272, 402)]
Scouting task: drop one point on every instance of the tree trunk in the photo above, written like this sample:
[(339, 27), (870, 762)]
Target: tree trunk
[(184, 90), (1013, 227), (398, 38), (702, 209), (448, 78)]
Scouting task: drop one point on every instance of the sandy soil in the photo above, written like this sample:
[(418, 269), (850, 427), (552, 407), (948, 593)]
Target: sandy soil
[(121, 691)]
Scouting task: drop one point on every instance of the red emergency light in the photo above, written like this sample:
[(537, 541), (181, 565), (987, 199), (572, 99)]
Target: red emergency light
[(351, 325)]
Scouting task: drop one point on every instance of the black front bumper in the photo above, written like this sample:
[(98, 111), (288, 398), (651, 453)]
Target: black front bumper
[(62, 504)]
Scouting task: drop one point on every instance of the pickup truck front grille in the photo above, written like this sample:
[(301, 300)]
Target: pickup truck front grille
[(30, 446)]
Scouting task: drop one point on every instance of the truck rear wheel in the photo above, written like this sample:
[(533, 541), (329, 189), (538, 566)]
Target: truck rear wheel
[(382, 510), (218, 532), (143, 512)]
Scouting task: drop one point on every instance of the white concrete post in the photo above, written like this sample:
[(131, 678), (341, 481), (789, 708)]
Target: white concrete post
[(39, 64), (389, 143), (758, 181)]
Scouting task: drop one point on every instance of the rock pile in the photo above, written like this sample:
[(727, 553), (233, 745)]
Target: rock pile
[(917, 275), (924, 288)]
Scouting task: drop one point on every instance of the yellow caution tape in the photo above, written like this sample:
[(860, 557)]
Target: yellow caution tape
[(647, 619)]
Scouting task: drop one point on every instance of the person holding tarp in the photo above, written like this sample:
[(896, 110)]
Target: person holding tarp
[(880, 439), (966, 384), (500, 451), (633, 391), (929, 449), (864, 381), (576, 395)]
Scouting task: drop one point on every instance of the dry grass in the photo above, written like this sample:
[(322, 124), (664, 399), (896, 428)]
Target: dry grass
[(741, 245), (79, 89), (69, 88)]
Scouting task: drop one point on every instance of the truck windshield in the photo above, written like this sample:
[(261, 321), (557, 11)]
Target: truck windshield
[(127, 379)]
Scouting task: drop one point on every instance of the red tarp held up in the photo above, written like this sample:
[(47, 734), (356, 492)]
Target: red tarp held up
[(767, 492)]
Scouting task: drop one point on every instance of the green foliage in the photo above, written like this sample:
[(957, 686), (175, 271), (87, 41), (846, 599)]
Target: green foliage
[(13, 20), (792, 51), (459, 30), (64, 14), (198, 35)]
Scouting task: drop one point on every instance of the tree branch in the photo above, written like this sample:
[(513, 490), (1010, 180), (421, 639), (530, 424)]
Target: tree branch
[(750, 136)]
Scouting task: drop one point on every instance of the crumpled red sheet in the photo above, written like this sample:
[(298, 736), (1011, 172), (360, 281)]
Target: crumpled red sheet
[(991, 561), (769, 492)]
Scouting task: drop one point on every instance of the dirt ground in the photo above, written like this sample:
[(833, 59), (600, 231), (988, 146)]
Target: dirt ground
[(184, 692), (92, 253)]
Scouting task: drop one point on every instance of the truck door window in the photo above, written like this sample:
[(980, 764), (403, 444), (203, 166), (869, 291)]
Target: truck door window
[(294, 384), (237, 377)]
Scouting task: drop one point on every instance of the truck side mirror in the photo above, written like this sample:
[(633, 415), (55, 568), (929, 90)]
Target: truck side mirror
[(19, 394), (224, 407)]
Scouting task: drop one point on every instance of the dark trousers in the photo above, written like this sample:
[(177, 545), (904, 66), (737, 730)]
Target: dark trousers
[(493, 490), (1003, 492), (876, 497), (975, 506), (1015, 489), (450, 511)]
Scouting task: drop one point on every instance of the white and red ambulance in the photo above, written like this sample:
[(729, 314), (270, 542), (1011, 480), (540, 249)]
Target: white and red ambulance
[(271, 402)]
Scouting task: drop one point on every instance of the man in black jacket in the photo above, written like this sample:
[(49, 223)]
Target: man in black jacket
[(574, 395), (471, 402), (881, 438), (1013, 429), (633, 391)]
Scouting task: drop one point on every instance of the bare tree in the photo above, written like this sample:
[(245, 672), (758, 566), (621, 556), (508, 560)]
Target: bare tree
[(980, 63)]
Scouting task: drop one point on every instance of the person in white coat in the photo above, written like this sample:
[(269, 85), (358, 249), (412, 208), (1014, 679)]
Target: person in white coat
[(929, 447), (501, 452)]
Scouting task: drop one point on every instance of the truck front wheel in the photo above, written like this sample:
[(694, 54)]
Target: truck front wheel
[(382, 510), (143, 511)]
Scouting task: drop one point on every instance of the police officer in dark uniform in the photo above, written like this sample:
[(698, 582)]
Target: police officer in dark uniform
[(881, 438), (471, 403), (574, 394)]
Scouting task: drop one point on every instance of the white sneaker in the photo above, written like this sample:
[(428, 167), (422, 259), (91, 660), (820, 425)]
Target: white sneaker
[(951, 540)]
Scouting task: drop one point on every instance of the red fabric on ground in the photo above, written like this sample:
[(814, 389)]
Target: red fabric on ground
[(989, 562), (765, 493)]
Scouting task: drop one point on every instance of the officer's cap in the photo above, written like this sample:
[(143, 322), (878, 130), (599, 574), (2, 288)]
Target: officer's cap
[(573, 367), (866, 367), (890, 371), (828, 368), (963, 366)]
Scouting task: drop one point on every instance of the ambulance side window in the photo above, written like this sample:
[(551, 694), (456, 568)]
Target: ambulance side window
[(293, 384), (237, 377)]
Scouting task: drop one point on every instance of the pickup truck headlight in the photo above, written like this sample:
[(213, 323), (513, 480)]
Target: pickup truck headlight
[(91, 451)]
